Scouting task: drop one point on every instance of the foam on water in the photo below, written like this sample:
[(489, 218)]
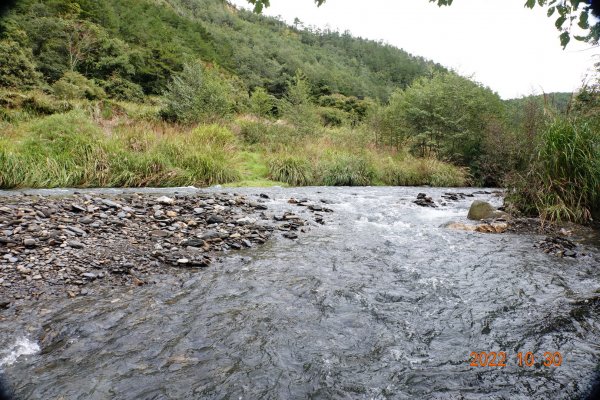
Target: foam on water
[(21, 347)]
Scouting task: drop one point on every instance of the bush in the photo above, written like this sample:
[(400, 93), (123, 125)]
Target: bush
[(261, 103), (293, 170), (332, 117), (36, 103), (297, 107), (121, 89), (197, 95), (74, 86), (563, 180), (347, 170), (43, 104)]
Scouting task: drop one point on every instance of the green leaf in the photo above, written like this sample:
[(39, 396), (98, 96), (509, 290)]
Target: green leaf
[(560, 21), (583, 20), (530, 3), (551, 11), (565, 38)]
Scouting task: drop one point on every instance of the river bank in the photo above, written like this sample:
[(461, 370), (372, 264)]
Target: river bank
[(68, 245)]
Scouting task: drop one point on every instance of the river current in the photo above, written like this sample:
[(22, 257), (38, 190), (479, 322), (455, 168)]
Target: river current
[(379, 303)]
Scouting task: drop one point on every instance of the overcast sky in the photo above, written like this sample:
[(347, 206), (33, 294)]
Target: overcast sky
[(512, 49)]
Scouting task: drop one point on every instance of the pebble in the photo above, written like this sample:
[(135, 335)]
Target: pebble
[(128, 237), (75, 244), (165, 200), (111, 203), (86, 220), (215, 219)]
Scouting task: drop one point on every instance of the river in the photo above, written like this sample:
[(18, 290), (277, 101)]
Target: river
[(378, 303)]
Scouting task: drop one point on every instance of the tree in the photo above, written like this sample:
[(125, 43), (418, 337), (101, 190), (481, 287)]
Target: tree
[(444, 116), (17, 68), (261, 102), (196, 95)]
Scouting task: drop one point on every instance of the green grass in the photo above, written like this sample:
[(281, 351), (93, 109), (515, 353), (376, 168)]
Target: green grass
[(120, 144), (253, 165), (293, 170), (70, 150), (410, 171), (347, 170), (256, 183)]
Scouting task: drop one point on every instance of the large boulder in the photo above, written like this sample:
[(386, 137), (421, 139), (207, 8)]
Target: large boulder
[(483, 210)]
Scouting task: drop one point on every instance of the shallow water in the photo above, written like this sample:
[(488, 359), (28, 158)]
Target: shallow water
[(379, 303)]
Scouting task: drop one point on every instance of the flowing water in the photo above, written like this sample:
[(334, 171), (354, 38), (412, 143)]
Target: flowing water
[(379, 303)]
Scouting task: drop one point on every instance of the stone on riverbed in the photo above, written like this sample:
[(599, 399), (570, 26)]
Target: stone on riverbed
[(483, 210), (424, 201), (492, 227)]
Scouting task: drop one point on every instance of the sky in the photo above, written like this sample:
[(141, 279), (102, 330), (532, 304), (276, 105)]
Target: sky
[(511, 49)]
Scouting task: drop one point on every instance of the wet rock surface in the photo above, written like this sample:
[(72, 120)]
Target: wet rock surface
[(63, 245), (558, 246), (425, 201)]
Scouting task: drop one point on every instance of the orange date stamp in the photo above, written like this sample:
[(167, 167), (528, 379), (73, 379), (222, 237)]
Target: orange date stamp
[(499, 359)]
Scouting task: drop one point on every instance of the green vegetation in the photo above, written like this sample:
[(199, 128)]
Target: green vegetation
[(563, 181), (196, 92), (70, 150)]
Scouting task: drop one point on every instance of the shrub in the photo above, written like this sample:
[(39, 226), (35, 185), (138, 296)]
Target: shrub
[(261, 103), (74, 86), (122, 89), (196, 95), (332, 117), (43, 104), (297, 107), (36, 103)]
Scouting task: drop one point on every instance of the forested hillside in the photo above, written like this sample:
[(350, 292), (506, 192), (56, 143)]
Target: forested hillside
[(146, 42), (197, 92)]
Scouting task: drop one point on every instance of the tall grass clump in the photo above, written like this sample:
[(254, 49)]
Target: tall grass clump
[(563, 180), (293, 170), (59, 150), (200, 157), (412, 171), (267, 134), (347, 170), (70, 150)]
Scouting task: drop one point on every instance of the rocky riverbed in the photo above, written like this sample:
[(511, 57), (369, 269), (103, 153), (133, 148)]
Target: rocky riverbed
[(66, 246)]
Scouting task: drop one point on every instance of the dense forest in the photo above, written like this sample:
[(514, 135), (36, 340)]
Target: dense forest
[(198, 92)]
